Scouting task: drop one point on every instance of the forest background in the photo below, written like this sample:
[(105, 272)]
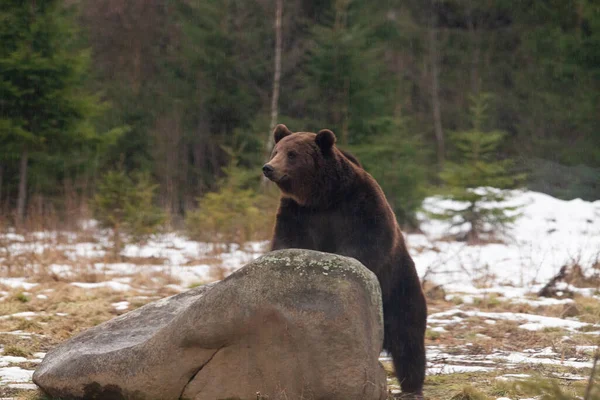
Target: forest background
[(170, 104)]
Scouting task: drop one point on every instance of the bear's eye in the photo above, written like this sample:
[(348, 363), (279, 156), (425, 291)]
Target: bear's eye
[(291, 155)]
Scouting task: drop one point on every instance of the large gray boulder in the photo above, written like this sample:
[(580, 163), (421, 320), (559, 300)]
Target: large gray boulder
[(294, 324)]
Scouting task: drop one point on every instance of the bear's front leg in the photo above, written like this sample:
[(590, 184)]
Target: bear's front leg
[(290, 228)]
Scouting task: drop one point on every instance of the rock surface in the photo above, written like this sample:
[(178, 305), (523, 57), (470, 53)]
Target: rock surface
[(294, 324)]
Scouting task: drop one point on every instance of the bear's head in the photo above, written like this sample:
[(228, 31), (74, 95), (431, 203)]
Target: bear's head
[(306, 166)]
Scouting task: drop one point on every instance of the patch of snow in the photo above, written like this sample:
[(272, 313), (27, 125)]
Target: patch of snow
[(6, 360), (61, 269), (437, 356), (536, 322), (22, 386), (21, 334), (434, 319), (121, 305), (542, 301), (513, 376), (520, 358), (15, 375), (26, 314), (538, 326), (571, 377), (439, 369), (590, 349), (116, 286), (177, 288), (17, 283), (524, 260), (546, 351)]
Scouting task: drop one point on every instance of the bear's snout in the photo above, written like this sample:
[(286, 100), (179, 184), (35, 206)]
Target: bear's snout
[(268, 170)]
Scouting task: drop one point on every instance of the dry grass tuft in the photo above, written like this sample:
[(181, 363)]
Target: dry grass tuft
[(17, 351)]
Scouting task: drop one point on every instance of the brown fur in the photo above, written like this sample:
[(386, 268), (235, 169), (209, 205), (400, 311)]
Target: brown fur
[(330, 203)]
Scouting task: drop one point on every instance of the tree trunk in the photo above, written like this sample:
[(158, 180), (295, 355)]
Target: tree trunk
[(398, 98), (345, 112), (435, 95), (22, 187), (475, 39), (276, 76), (1, 178), (117, 245)]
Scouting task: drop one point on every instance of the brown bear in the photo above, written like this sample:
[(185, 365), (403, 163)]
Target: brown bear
[(330, 203)]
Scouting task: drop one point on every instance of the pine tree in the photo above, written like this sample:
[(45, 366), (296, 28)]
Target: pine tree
[(236, 212), (43, 108), (125, 206), (477, 179), (344, 82), (396, 159)]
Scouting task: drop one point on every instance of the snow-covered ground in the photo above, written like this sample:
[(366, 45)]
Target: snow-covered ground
[(549, 234)]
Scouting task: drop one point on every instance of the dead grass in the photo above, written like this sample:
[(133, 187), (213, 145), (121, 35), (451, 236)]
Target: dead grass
[(589, 309), (11, 307), (491, 385), (17, 351), (69, 310), (86, 308), (465, 386), (154, 279), (28, 345)]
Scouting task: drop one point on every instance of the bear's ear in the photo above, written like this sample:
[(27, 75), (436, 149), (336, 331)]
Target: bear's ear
[(325, 139), (280, 132)]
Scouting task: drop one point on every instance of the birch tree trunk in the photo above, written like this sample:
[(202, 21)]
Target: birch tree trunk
[(276, 76), (435, 88), (475, 39), (1, 178)]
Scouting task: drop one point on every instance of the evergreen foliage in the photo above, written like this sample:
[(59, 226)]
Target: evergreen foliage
[(477, 178), (46, 114), (125, 206), (235, 213), (181, 79), (396, 160)]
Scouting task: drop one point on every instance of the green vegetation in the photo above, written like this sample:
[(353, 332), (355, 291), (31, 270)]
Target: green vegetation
[(46, 117), (22, 297), (234, 214), (165, 87), (477, 179), (125, 205)]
